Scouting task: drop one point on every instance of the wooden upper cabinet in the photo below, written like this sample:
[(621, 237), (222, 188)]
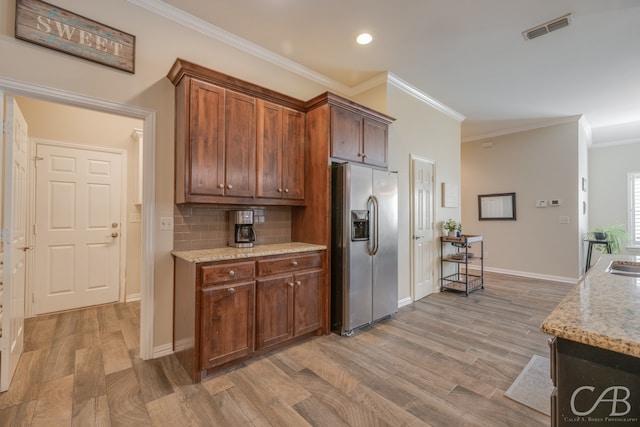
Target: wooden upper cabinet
[(375, 142), (235, 141), (240, 145), (202, 137), (358, 134), (346, 134), (280, 152)]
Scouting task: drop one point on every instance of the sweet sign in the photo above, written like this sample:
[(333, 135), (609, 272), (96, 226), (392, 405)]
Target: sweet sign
[(50, 26)]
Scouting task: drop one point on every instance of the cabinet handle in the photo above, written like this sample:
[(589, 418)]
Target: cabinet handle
[(229, 186), (291, 284), (279, 190), (294, 263), (298, 283), (286, 190), (232, 273), (220, 185), (364, 155), (359, 154), (231, 290)]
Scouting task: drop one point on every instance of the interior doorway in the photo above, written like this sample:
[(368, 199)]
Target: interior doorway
[(148, 185), (80, 228)]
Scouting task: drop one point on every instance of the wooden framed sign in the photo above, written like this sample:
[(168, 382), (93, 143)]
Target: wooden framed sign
[(50, 26)]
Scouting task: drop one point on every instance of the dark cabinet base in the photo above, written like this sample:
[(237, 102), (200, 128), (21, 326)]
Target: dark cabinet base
[(594, 387)]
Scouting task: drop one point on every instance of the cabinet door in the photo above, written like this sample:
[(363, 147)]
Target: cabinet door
[(269, 153), (240, 145), (206, 141), (375, 142), (293, 125), (274, 310), (346, 134), (227, 323), (307, 310)]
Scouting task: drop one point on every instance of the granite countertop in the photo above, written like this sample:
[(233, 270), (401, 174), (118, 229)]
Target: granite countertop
[(228, 253), (603, 310)]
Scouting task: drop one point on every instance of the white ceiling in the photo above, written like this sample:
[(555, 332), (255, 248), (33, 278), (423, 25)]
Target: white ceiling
[(469, 55)]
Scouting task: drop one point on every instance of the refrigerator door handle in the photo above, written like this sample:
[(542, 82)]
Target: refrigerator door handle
[(372, 205)]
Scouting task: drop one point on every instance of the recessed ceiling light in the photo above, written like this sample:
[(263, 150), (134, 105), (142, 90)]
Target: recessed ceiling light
[(364, 38)]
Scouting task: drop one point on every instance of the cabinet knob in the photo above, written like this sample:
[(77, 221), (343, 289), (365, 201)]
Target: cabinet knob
[(359, 154), (231, 290), (220, 185), (286, 190), (294, 263), (291, 284), (229, 186), (364, 155), (279, 190), (298, 283), (232, 273)]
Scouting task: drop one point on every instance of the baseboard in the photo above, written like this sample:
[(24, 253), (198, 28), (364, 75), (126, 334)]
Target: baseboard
[(132, 297), (528, 274), (405, 301), (162, 350)]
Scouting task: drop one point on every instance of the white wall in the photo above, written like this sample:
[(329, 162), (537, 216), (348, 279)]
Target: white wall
[(423, 131), (540, 164), (608, 169)]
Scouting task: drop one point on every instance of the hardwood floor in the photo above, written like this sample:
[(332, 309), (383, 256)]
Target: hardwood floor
[(444, 361)]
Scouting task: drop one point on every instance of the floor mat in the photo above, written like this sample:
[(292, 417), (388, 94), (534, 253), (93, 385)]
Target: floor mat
[(533, 386)]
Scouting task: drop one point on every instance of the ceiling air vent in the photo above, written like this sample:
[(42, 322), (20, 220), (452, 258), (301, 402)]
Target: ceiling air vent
[(547, 27)]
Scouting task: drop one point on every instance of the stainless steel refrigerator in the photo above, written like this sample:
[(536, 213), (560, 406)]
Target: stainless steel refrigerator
[(364, 249)]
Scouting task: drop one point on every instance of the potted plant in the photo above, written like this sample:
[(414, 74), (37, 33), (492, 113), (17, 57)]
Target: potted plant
[(453, 227), (616, 235)]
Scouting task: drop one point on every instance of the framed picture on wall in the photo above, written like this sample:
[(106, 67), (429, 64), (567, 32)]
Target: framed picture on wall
[(501, 206)]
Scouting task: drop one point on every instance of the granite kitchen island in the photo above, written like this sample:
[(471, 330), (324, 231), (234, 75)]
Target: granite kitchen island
[(595, 352)]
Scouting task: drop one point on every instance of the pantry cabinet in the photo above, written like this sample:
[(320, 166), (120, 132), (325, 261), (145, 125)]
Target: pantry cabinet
[(280, 152)]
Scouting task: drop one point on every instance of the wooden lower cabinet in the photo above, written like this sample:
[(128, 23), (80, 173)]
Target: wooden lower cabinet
[(226, 312), (227, 319), (287, 307), (274, 311)]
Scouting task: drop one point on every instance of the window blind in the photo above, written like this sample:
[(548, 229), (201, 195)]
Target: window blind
[(634, 199)]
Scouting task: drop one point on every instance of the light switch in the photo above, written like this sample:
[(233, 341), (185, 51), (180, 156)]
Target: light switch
[(541, 203)]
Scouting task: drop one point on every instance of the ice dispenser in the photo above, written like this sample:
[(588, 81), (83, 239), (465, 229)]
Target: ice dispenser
[(359, 225)]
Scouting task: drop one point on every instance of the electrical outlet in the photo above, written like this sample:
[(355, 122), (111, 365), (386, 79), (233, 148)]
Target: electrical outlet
[(166, 223), (564, 220), (541, 203)]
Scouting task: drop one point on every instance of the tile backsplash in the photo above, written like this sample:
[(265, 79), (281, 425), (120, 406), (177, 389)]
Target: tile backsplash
[(205, 226)]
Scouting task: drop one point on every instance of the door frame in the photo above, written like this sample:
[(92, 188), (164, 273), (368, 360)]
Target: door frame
[(412, 260), (122, 252), (147, 296)]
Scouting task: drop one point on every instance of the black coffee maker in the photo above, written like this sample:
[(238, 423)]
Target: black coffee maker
[(241, 231)]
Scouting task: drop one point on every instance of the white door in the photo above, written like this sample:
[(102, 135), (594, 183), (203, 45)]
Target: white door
[(14, 240), (422, 227), (77, 227)]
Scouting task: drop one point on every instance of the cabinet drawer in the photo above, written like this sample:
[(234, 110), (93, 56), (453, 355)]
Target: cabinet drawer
[(289, 263), (221, 273)]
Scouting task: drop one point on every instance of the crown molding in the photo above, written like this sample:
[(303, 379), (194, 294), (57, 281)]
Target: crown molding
[(194, 23), (615, 143), (533, 126), (418, 94)]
